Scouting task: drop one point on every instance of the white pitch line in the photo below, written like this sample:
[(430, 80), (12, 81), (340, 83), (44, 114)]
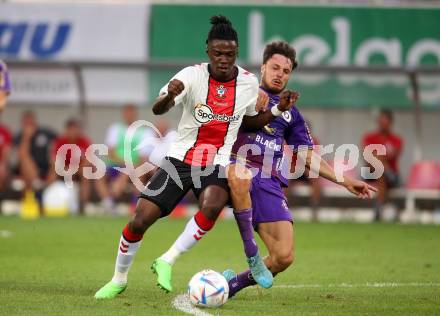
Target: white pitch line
[(366, 285), (182, 303), (5, 233)]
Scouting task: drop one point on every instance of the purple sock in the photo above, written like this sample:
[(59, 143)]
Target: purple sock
[(244, 221), (241, 281)]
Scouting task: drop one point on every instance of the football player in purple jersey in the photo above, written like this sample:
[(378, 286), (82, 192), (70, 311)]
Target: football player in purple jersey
[(271, 217), (5, 85)]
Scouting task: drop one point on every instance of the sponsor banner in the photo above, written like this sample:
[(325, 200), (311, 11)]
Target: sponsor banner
[(60, 87), (340, 36), (44, 86), (74, 32), (115, 86)]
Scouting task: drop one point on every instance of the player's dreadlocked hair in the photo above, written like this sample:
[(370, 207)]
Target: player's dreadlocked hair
[(282, 48), (221, 29)]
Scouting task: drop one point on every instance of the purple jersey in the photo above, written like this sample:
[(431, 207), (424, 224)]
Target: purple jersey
[(5, 83), (289, 127)]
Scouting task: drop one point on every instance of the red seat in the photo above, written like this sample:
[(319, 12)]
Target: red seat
[(424, 175)]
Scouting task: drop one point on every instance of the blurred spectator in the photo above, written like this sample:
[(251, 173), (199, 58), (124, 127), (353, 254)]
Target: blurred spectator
[(115, 140), (5, 85), (5, 135), (73, 135), (393, 144), (5, 150), (314, 183), (33, 146)]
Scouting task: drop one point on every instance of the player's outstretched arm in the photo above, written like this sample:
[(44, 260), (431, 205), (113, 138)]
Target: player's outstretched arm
[(165, 102), (359, 188), (287, 99)]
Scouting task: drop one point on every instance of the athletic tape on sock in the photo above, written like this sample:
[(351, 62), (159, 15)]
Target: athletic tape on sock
[(203, 222), (130, 236)]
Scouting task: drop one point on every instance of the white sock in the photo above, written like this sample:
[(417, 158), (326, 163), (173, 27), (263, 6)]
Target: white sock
[(126, 253), (187, 239)]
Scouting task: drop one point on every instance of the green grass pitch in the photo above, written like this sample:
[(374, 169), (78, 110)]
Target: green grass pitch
[(54, 267)]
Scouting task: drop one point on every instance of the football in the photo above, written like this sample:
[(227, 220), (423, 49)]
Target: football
[(208, 288)]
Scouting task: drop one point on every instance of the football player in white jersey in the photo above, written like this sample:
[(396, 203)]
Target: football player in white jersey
[(216, 99)]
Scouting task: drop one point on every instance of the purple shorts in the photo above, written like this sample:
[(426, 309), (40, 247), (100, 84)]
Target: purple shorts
[(112, 172), (268, 201)]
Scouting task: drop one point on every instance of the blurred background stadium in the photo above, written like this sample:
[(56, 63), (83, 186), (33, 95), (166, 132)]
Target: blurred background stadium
[(84, 68), (89, 58)]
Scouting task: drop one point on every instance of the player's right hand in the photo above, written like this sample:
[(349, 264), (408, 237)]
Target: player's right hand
[(175, 87), (262, 101), (287, 99), (359, 188)]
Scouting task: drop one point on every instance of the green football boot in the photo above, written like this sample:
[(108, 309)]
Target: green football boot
[(163, 270), (110, 290)]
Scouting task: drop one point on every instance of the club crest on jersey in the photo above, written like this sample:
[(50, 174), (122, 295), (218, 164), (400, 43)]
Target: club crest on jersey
[(204, 114), (221, 92), (287, 116)]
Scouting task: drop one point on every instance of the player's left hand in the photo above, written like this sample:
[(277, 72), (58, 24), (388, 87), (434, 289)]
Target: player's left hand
[(287, 99), (360, 188), (262, 101)]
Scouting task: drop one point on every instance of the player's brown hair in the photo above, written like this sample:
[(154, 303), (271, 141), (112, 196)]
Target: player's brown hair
[(282, 48)]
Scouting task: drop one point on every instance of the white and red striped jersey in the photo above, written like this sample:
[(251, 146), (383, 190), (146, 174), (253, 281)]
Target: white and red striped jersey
[(212, 114)]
